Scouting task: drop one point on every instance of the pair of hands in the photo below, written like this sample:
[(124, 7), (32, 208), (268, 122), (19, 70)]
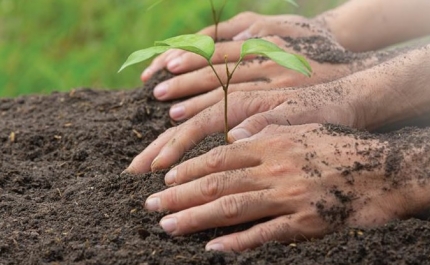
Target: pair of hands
[(253, 75), (298, 181)]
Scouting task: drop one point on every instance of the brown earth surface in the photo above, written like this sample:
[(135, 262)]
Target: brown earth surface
[(62, 199)]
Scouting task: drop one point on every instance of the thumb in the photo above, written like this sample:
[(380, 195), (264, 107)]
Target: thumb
[(252, 126)]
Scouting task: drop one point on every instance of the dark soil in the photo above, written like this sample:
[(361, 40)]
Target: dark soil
[(62, 199)]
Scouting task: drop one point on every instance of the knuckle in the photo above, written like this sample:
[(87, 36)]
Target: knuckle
[(271, 128), (241, 242), (169, 199), (277, 169), (275, 39), (239, 96), (253, 103), (259, 121), (230, 207), (257, 26), (210, 77), (170, 130), (210, 187), (215, 158), (265, 234), (218, 56)]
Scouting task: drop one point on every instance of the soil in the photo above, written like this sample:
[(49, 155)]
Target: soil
[(62, 199)]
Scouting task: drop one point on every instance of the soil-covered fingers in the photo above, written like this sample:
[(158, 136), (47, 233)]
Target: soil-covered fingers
[(204, 79), (223, 158), (325, 103), (285, 229), (159, 63), (209, 121), (142, 162), (190, 107), (225, 211), (204, 190), (226, 30), (188, 61)]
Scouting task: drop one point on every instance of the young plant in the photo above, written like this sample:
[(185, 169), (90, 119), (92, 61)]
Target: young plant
[(216, 16), (204, 46)]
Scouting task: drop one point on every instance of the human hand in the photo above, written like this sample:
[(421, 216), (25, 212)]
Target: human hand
[(321, 103), (255, 74), (387, 93), (311, 181), (252, 75), (241, 27)]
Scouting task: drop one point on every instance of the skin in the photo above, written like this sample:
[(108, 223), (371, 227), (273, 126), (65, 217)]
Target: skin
[(247, 181), (250, 76), (364, 25), (390, 92)]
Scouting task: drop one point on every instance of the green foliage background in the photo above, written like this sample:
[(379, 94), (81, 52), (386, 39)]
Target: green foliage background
[(48, 45)]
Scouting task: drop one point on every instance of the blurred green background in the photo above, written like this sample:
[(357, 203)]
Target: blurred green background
[(58, 45)]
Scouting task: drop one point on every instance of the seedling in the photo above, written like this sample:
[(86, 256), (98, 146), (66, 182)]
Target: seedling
[(216, 16), (204, 46)]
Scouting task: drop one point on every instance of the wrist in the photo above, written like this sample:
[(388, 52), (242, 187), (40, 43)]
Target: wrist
[(408, 168)]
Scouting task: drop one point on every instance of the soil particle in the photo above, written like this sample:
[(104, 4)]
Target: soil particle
[(63, 201), (336, 212), (324, 49)]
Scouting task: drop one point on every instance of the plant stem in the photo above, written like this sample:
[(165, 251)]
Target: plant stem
[(225, 89), (217, 17)]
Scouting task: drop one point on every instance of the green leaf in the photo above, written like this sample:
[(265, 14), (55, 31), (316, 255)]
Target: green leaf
[(292, 2), (143, 55), (200, 44), (276, 54)]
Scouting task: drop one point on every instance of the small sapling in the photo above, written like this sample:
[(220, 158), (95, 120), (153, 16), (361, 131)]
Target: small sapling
[(204, 46)]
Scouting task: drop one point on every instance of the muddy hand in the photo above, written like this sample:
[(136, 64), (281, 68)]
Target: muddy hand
[(241, 27), (311, 181), (178, 61), (253, 74), (389, 92), (284, 106)]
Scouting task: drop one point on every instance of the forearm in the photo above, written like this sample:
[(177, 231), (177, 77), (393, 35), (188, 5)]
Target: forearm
[(364, 25), (393, 91)]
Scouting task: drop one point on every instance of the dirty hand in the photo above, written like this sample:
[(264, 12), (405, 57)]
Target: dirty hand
[(387, 93), (243, 26), (256, 109), (311, 181), (253, 74)]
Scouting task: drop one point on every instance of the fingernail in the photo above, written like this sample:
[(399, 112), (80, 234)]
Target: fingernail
[(170, 177), (154, 164), (169, 224), (125, 172), (238, 134), (152, 204), (177, 112), (244, 35), (174, 64), (161, 90), (215, 247), (146, 74)]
